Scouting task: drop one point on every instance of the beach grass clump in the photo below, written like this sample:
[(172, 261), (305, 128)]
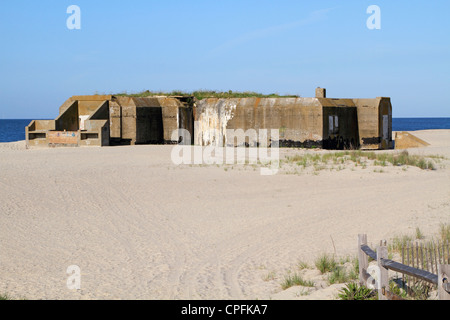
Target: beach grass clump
[(338, 275), (295, 280), (4, 297), (325, 263), (444, 232), (405, 159), (303, 265), (270, 276), (355, 271), (399, 242), (342, 272), (419, 234)]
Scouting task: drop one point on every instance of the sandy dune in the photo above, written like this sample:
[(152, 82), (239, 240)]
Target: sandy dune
[(140, 227)]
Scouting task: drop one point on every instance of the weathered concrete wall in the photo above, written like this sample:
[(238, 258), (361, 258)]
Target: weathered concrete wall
[(96, 133), (115, 120), (101, 112), (36, 132), (97, 127), (299, 120), (148, 120), (86, 102), (129, 124), (63, 138), (368, 122), (211, 120), (321, 92), (69, 119), (83, 120), (375, 123), (40, 125), (385, 126), (86, 108), (170, 116)]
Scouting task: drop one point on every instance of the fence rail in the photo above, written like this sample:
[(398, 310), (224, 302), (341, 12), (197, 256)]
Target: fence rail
[(381, 279)]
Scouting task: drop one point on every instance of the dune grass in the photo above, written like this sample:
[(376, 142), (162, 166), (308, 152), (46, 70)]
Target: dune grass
[(337, 272), (204, 94), (341, 275), (320, 161), (333, 270), (444, 232), (295, 280), (325, 263), (401, 241)]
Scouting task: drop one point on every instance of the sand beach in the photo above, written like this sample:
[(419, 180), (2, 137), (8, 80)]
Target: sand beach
[(140, 227)]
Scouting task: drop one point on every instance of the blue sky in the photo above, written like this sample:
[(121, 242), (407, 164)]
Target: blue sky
[(287, 47)]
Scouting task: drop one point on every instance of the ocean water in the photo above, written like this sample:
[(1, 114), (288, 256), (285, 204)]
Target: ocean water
[(414, 124), (14, 130)]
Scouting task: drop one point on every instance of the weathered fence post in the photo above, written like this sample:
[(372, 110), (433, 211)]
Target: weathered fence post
[(383, 281), (444, 281), (362, 259)]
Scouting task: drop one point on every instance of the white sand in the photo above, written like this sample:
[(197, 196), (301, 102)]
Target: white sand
[(141, 228)]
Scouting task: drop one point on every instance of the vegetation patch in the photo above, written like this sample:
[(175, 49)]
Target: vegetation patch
[(325, 263), (4, 297), (295, 280), (400, 242), (204, 94), (338, 160), (354, 291)]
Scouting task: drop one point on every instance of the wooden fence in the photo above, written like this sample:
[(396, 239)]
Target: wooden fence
[(430, 259), (425, 256)]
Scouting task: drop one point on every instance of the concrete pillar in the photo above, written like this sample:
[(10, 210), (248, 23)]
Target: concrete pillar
[(321, 92)]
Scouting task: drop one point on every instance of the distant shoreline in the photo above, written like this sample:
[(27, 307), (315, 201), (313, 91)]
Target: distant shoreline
[(12, 130)]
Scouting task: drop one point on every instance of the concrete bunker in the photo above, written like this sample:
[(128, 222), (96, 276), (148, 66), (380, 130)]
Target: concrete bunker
[(109, 120), (320, 122), (82, 121)]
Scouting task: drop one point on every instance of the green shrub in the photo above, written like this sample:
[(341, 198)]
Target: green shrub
[(354, 291), (395, 289)]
